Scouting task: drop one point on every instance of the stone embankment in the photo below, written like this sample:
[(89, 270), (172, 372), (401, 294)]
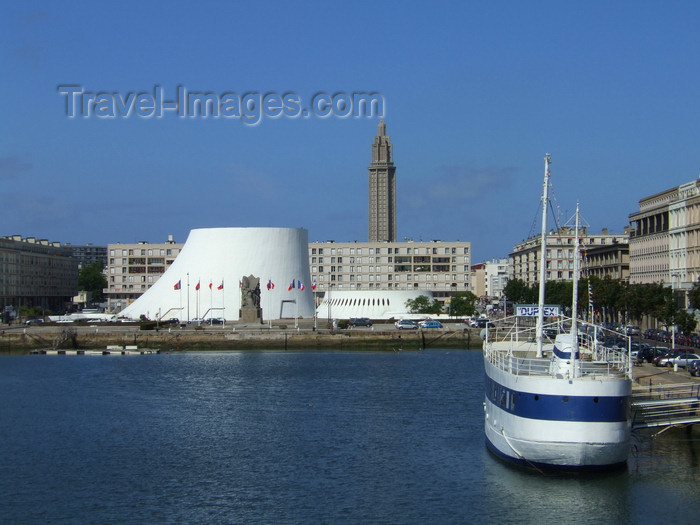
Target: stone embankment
[(233, 336)]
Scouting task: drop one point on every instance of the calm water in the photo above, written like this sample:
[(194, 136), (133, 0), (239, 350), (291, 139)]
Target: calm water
[(293, 437)]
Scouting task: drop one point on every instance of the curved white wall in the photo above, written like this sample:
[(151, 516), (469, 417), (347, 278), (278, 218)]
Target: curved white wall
[(375, 304), (226, 255)]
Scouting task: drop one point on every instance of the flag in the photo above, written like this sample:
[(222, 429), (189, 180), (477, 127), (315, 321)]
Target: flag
[(291, 286), (210, 285), (240, 284), (197, 287), (300, 285), (270, 285), (221, 286), (178, 285), (313, 285)]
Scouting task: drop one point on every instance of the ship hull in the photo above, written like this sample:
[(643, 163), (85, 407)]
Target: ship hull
[(551, 423)]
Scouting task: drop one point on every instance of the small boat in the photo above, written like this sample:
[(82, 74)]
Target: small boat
[(560, 403)]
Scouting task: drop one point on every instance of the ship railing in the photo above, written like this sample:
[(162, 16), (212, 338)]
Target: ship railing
[(597, 355)]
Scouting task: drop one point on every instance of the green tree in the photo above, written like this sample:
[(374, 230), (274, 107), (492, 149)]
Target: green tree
[(91, 279), (423, 305), (463, 304), (517, 291), (694, 296), (685, 322)]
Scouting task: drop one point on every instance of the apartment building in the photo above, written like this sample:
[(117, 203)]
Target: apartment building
[(134, 268), (36, 273), (665, 238), (437, 266), (559, 256)]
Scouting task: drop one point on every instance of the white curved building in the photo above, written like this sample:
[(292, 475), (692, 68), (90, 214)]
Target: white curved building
[(204, 279), (375, 304)]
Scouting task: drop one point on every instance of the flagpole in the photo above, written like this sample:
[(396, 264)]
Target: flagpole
[(188, 297), (223, 301)]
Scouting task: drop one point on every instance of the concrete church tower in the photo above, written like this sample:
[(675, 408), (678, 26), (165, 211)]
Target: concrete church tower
[(382, 189)]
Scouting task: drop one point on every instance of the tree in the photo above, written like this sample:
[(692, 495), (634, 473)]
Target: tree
[(91, 279), (423, 305), (462, 304), (517, 291), (694, 296)]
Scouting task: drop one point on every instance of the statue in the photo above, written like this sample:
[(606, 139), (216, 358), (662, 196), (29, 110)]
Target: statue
[(250, 300)]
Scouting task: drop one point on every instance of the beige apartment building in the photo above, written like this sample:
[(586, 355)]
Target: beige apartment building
[(559, 257), (134, 268), (437, 266), (608, 260), (36, 273), (665, 238)]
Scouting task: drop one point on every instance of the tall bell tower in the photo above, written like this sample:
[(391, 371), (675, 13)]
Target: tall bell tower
[(382, 189)]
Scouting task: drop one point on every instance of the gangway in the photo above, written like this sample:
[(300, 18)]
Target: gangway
[(665, 405)]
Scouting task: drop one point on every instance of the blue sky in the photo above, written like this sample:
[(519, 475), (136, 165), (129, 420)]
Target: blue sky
[(475, 94)]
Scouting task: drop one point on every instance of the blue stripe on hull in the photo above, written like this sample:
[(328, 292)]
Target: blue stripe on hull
[(558, 408), (550, 467)]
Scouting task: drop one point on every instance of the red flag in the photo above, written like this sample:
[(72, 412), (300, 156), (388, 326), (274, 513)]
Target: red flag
[(291, 286), (221, 286), (178, 285), (270, 285), (210, 285), (197, 287), (240, 284)]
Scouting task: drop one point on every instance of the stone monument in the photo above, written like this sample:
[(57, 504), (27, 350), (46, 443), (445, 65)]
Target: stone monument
[(250, 311)]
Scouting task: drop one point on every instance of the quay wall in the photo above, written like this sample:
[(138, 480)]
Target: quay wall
[(22, 341)]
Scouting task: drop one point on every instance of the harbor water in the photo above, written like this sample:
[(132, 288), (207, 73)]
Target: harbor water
[(294, 437)]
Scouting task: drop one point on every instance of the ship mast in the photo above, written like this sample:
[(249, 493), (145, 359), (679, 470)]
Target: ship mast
[(574, 301), (543, 254)]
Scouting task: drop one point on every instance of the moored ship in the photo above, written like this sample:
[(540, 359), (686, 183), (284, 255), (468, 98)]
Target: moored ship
[(557, 396)]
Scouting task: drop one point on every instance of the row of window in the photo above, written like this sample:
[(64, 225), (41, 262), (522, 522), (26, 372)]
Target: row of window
[(144, 252), (398, 259), (134, 279), (392, 269), (408, 251), (378, 277)]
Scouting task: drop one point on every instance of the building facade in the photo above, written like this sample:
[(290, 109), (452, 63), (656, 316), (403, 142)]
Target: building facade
[(496, 275), (436, 266), (608, 261), (134, 268), (36, 273), (88, 254), (559, 256), (665, 238), (382, 189)]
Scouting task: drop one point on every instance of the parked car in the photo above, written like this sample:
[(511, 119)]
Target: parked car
[(694, 367), (663, 359), (406, 324), (632, 330), (430, 323), (647, 355), (682, 360), (360, 321), (215, 320)]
